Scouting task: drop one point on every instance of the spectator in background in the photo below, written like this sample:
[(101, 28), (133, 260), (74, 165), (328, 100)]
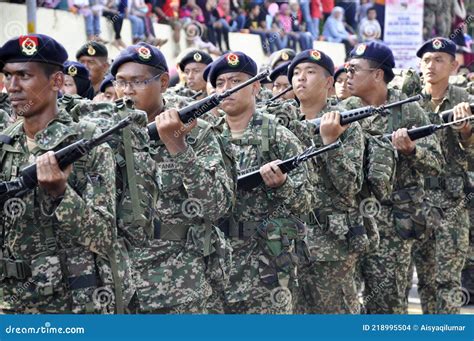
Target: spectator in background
[(225, 24), (255, 26), (369, 28), (362, 10), (327, 7), (335, 31), (92, 18), (210, 18), (305, 7), (167, 12), (135, 11), (350, 10), (191, 11), (379, 6), (298, 31), (115, 12), (316, 15)]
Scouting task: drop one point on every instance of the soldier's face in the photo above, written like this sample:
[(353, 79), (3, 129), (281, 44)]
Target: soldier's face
[(280, 84), (437, 66), (147, 97), (342, 91), (97, 67), (360, 77), (110, 94), (193, 76), (29, 89), (310, 82), (240, 101), (69, 86)]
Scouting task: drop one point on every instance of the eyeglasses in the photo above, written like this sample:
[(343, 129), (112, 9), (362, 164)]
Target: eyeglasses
[(134, 84), (354, 69)]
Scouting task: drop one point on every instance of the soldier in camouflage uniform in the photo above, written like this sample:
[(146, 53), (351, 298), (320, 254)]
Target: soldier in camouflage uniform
[(4, 102), (336, 235), (263, 230), (384, 271), (192, 65), (437, 15), (5, 119), (55, 240), (173, 272), (440, 259), (94, 56)]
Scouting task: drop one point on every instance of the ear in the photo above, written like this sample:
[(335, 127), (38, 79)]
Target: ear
[(454, 66), (57, 81), (379, 75), (329, 82), (256, 88), (164, 81)]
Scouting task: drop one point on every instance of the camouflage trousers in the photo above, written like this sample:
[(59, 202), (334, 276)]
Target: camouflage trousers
[(437, 16), (439, 261), (327, 287), (383, 271), (266, 304), (193, 307), (256, 286)]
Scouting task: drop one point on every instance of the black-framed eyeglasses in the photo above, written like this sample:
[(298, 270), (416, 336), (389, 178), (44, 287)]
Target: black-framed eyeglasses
[(136, 84), (355, 69)]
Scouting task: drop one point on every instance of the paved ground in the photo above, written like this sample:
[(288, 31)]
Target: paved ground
[(414, 306)]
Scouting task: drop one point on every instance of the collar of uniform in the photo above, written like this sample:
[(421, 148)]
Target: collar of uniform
[(58, 130)]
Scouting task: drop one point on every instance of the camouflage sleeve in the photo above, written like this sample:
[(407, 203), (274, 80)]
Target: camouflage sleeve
[(428, 157), (4, 119), (90, 219), (296, 191), (203, 173), (345, 164)]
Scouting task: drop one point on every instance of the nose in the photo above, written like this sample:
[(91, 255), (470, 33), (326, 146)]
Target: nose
[(12, 85), (128, 89)]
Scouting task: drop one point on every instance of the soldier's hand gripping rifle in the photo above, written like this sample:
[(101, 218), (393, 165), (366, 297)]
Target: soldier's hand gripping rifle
[(364, 112), (199, 108), (423, 131), (28, 178), (448, 115), (253, 179)]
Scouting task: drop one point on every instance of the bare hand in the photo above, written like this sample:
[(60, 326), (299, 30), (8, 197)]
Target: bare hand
[(173, 131), (330, 128), (272, 174), (460, 111), (402, 142), (50, 177)]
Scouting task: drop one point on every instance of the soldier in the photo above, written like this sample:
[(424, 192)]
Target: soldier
[(280, 81), (340, 84), (76, 80), (56, 238), (384, 271), (440, 259), (107, 90), (326, 284), (280, 57), (5, 119), (193, 65), (94, 56), (262, 230), (185, 252)]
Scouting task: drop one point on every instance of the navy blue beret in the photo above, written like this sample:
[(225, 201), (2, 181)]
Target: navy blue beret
[(280, 70), (284, 55), (339, 70), (106, 82), (33, 48), (75, 69), (195, 56), (377, 52), (92, 49), (437, 44), (205, 74), (231, 62), (141, 53), (311, 56)]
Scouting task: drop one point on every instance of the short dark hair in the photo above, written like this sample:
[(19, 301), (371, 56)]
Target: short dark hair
[(371, 9), (387, 78)]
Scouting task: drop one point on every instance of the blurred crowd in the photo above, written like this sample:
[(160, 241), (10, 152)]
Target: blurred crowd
[(280, 24)]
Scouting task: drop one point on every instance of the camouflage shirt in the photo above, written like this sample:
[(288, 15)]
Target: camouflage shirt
[(5, 102), (455, 151), (5, 120), (284, 111), (427, 158), (264, 95), (180, 90), (58, 240)]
